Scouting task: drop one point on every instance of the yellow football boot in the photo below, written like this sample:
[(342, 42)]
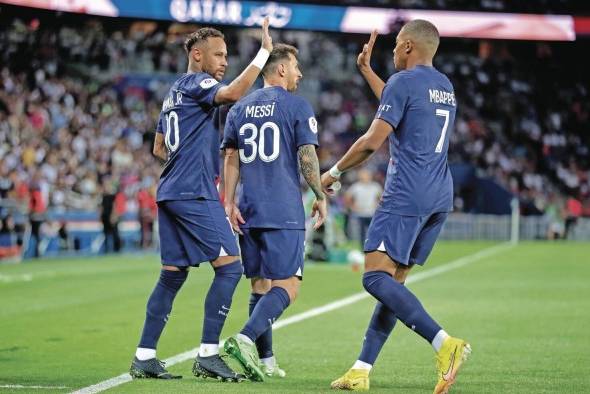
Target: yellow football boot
[(353, 379), (452, 354)]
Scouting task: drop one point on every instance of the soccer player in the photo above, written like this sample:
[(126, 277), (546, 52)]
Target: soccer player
[(193, 226), (268, 134), (416, 114)]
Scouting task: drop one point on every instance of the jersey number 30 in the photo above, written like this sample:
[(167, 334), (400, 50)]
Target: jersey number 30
[(257, 142)]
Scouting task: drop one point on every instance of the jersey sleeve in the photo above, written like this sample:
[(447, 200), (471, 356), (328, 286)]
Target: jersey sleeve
[(394, 100), (159, 125), (203, 87), (306, 126), (230, 134)]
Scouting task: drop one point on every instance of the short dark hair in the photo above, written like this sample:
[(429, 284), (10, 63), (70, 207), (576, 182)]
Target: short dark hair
[(199, 36), (279, 52), (424, 32)]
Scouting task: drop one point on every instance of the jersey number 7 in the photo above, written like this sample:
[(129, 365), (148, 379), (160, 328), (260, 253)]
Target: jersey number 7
[(441, 141)]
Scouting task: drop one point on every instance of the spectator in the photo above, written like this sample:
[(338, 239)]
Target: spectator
[(146, 201), (362, 199), (37, 210), (109, 217), (573, 213)]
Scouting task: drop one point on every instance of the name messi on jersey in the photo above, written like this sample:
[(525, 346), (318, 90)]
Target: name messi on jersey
[(442, 97), (260, 111)]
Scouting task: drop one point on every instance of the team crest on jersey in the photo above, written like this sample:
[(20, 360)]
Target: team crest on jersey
[(208, 83), (313, 125)]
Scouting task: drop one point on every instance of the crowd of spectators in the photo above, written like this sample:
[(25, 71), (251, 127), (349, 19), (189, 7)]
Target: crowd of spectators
[(72, 133), (531, 6)]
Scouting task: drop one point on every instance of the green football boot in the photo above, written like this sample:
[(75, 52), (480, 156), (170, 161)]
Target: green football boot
[(247, 355)]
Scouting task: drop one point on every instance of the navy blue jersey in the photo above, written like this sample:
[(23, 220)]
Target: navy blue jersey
[(189, 123), (420, 105), (267, 127)]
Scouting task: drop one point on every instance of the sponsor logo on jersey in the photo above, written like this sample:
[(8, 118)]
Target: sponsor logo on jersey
[(313, 125), (208, 83)]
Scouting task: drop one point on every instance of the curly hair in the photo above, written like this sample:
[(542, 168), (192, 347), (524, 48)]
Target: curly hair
[(199, 36)]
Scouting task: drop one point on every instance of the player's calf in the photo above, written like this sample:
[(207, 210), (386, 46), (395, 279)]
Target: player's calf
[(218, 304), (241, 346)]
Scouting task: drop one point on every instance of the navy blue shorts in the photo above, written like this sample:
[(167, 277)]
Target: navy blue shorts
[(194, 231), (272, 253), (406, 239)]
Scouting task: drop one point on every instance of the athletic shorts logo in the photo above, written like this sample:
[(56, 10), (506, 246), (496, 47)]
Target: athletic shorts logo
[(313, 125), (208, 83)]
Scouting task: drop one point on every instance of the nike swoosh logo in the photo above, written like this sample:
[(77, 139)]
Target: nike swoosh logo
[(447, 375)]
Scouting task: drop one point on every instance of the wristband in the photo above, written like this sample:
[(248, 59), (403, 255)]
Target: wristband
[(261, 58), (335, 172)]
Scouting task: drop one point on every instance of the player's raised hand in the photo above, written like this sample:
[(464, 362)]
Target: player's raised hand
[(266, 38), (364, 59), (319, 208)]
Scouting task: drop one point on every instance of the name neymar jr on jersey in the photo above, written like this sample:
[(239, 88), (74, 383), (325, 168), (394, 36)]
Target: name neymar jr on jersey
[(169, 102)]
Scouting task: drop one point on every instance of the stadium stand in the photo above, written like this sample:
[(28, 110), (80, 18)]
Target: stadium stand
[(79, 99)]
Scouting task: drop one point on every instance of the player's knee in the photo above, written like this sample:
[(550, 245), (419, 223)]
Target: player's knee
[(260, 285), (291, 286), (293, 292), (401, 273), (233, 270), (224, 260), (372, 279), (174, 268), (378, 261), (173, 280)]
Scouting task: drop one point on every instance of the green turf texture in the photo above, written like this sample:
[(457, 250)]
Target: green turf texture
[(525, 312)]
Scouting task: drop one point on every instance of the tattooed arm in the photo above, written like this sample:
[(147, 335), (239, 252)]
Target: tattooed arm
[(310, 168)]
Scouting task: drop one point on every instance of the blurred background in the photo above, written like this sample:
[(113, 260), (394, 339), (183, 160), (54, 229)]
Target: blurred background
[(82, 82)]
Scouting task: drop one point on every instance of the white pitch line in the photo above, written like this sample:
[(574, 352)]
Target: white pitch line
[(16, 278), (20, 386), (452, 265)]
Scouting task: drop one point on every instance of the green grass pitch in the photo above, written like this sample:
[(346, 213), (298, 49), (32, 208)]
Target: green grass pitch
[(526, 312)]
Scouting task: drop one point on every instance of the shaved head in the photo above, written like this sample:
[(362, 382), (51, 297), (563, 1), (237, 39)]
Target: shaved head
[(424, 34), (416, 43)]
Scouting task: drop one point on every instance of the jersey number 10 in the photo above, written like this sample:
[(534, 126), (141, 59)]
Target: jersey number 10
[(172, 123), (258, 145)]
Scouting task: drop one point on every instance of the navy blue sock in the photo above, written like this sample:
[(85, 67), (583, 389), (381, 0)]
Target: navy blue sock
[(218, 301), (159, 306), (264, 341), (397, 298), (380, 326), (267, 310)]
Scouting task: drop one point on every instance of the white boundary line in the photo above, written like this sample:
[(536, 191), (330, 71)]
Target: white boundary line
[(420, 276), (20, 386)]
